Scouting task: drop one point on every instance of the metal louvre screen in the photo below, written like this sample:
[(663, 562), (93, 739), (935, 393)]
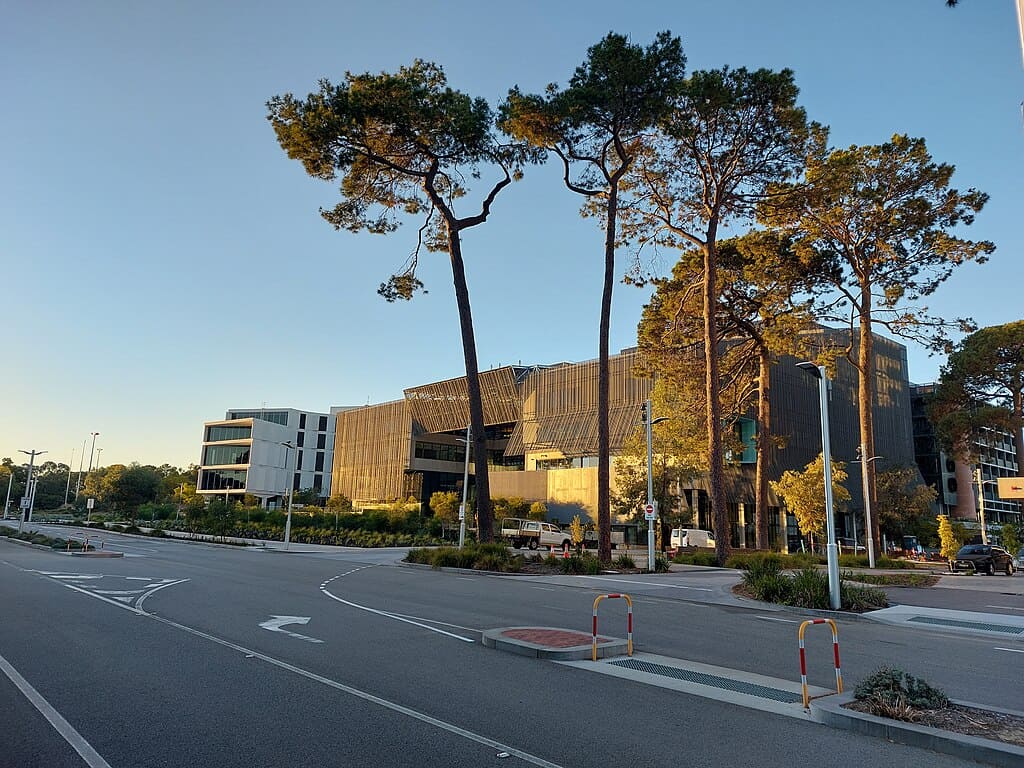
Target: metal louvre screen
[(444, 405), (371, 452)]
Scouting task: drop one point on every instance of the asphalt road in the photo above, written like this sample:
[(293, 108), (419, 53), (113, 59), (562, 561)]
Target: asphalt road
[(159, 659)]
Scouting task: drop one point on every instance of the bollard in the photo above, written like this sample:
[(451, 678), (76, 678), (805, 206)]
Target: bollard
[(629, 623), (803, 658)]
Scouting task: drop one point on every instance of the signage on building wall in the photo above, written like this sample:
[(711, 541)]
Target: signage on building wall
[(1011, 487)]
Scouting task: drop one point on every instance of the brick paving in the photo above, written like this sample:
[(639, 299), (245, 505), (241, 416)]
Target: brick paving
[(552, 638)]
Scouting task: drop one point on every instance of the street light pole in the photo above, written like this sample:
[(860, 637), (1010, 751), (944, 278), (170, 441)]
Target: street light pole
[(98, 452), (648, 423), (291, 488), (10, 482), (465, 491), (831, 552), (981, 503), (28, 488), (92, 450), (81, 462), (67, 489)]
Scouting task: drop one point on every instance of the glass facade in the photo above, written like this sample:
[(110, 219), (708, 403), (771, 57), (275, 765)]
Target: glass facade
[(216, 434), (440, 451), (275, 417), (222, 479), (225, 454)]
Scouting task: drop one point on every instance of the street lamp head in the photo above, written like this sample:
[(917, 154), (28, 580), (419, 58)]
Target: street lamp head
[(660, 419), (811, 368), (287, 444)]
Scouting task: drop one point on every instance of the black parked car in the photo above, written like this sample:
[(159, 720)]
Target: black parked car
[(984, 558)]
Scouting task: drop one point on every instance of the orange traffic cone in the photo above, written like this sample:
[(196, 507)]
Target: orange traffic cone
[(552, 553), (565, 554)]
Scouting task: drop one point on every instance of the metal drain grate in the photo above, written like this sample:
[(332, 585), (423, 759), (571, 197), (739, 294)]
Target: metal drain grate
[(1008, 629), (714, 681)]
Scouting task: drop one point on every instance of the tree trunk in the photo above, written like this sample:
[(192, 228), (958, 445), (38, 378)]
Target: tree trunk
[(765, 450), (1018, 426), (865, 402), (604, 519), (476, 409), (716, 478)]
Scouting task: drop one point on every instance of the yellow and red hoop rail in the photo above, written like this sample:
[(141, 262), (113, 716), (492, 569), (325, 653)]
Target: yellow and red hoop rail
[(629, 623), (803, 657)]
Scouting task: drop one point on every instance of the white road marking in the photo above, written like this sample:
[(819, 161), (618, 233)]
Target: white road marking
[(773, 618), (469, 578), (395, 616), (62, 726), (125, 591), (1010, 650), (157, 589), (274, 624), (138, 578), (435, 621), (647, 583), (385, 703), (1004, 607), (543, 589)]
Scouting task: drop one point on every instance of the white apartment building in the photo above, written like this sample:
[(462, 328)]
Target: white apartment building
[(246, 453)]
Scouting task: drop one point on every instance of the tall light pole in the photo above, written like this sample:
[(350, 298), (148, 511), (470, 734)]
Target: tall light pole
[(291, 488), (10, 482), (831, 552), (981, 502), (92, 450), (869, 529), (98, 452), (81, 462), (28, 487), (67, 489), (465, 491), (646, 417)]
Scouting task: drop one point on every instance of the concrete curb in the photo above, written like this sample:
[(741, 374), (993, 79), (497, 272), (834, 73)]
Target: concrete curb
[(64, 552), (606, 646), (829, 711)]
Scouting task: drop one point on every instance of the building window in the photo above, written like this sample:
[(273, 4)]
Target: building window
[(321, 441), (295, 481), (322, 427), (298, 461), (440, 451), (302, 421), (319, 461), (300, 438), (221, 479), (215, 434), (226, 454), (318, 483), (275, 417), (951, 484)]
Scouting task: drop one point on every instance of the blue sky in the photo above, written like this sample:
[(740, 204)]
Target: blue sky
[(162, 260)]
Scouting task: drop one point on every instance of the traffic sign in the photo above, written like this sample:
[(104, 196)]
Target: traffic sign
[(462, 511), (649, 512), (25, 502), (1011, 487), (90, 503)]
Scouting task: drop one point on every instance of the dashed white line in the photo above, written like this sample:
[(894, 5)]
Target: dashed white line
[(1010, 650)]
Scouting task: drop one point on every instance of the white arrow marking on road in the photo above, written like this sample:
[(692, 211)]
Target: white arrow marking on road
[(275, 623)]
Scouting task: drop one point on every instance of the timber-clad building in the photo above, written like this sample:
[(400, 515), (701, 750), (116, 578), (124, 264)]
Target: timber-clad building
[(542, 435)]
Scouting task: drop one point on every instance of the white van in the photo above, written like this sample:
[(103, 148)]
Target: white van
[(692, 537)]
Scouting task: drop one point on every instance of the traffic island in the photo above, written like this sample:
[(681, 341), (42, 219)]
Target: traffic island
[(834, 711), (552, 643)]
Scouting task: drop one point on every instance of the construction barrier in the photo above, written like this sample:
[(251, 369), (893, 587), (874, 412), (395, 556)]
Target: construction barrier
[(803, 658), (629, 623)]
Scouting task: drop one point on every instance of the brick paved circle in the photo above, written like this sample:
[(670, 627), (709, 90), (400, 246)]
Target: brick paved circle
[(552, 638)]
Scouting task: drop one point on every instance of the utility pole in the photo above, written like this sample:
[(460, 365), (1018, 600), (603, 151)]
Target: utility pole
[(28, 488), (10, 482)]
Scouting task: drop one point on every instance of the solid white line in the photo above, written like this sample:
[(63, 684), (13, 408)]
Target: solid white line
[(647, 583), (1011, 650), (772, 618), (396, 617), (435, 621), (1005, 607), (62, 726), (157, 589)]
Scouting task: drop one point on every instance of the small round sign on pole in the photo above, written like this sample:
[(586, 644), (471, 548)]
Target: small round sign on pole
[(649, 512)]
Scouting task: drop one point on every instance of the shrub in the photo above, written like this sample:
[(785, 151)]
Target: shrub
[(625, 562), (853, 561), (855, 598), (808, 588), (584, 563), (891, 692), (889, 562), (661, 564), (764, 579), (696, 558)]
